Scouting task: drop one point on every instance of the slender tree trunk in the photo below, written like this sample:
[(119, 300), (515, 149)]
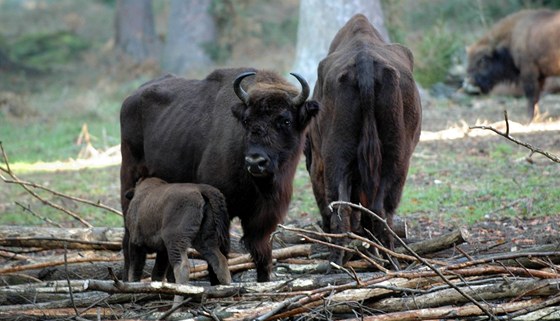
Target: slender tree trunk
[(135, 30), (319, 21), (190, 28)]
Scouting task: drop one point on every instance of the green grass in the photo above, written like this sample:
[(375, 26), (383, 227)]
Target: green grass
[(471, 187)]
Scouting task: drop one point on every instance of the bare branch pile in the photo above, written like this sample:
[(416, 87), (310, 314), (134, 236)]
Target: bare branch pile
[(81, 282)]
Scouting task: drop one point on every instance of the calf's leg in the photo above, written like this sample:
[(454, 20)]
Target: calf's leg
[(181, 270), (160, 266), (137, 259), (217, 265)]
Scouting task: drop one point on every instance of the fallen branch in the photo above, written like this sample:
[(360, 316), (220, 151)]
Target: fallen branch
[(506, 134), (96, 238), (454, 312)]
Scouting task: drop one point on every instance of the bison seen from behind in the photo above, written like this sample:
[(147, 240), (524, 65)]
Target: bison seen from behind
[(523, 47), (360, 144), (168, 219), (239, 130)]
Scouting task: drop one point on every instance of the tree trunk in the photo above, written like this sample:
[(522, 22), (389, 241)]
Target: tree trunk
[(319, 21), (135, 30), (190, 27)]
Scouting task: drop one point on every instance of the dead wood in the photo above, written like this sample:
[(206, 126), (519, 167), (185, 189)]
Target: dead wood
[(92, 238), (439, 243), (509, 288), (530, 147), (454, 312)]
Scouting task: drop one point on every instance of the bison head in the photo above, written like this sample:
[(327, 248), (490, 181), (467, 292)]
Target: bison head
[(488, 66), (274, 117)]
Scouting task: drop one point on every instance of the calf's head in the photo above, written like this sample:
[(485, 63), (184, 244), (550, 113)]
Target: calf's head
[(274, 116), (487, 67)]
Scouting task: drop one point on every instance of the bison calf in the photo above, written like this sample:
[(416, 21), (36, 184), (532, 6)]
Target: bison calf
[(170, 218)]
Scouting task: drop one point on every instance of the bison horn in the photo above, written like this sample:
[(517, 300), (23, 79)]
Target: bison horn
[(302, 97), (242, 94)]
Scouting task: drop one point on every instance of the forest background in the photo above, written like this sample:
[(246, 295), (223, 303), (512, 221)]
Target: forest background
[(64, 75)]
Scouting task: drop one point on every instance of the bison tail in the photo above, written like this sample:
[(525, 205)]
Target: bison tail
[(217, 206), (369, 146)]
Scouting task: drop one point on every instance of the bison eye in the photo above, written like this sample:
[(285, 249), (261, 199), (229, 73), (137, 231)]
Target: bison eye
[(283, 122)]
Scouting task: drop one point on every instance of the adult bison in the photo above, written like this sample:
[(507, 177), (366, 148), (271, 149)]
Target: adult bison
[(245, 142), (523, 47), (360, 144)]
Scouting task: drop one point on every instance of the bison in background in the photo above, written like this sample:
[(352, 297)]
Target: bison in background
[(523, 47), (245, 142), (171, 218), (359, 145)]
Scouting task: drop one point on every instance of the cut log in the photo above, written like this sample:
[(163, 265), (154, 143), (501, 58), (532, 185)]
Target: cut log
[(439, 243), (95, 238)]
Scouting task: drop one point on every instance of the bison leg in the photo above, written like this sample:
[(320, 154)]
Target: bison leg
[(125, 245), (340, 217), (257, 242), (532, 87), (137, 257), (217, 266), (160, 266), (181, 270)]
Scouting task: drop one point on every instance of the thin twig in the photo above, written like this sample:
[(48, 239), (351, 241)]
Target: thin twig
[(506, 134), (173, 309), (45, 219), (72, 198), (71, 292), (8, 171)]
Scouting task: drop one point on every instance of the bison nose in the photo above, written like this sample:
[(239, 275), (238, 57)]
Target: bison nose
[(257, 164)]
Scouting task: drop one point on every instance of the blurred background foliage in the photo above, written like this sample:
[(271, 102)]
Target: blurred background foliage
[(58, 59), (59, 70)]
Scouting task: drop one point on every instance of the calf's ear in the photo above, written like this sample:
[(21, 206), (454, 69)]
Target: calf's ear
[(307, 111), (129, 194), (238, 110)]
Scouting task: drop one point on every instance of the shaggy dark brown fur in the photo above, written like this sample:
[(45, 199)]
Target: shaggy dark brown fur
[(523, 47), (360, 144), (246, 144), (168, 219)]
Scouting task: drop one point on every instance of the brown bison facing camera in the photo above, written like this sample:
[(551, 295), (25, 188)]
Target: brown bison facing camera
[(523, 47), (360, 143), (239, 130), (168, 219)]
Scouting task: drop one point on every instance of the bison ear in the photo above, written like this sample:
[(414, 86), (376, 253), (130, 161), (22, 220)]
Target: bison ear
[(238, 110), (307, 111), (129, 194)]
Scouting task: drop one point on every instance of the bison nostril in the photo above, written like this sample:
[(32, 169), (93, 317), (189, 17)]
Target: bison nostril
[(256, 160)]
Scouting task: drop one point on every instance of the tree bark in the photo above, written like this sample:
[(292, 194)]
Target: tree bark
[(190, 27), (135, 33), (319, 21)]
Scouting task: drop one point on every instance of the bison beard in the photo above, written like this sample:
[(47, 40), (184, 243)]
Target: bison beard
[(521, 48), (245, 142), (360, 144)]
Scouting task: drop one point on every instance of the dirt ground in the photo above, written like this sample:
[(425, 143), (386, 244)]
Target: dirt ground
[(451, 119)]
